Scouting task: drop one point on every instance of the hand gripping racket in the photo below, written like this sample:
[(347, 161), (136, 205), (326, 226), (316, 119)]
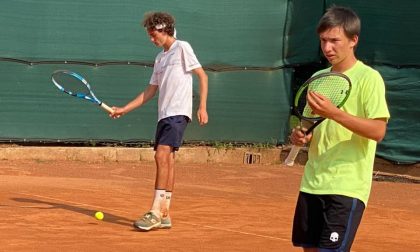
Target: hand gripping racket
[(74, 84), (334, 86)]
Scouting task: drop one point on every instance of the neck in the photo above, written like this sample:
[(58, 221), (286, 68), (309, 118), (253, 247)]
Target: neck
[(168, 43), (344, 65)]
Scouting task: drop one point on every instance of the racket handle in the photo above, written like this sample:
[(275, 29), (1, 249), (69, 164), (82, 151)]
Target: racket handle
[(107, 108), (290, 160)]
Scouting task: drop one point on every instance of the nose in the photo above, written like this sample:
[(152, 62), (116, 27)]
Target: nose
[(327, 47)]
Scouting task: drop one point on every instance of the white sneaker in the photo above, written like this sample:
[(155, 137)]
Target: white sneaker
[(148, 222), (165, 222)]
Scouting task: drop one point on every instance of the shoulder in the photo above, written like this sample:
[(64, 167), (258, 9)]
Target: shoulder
[(368, 81), (326, 70), (363, 74), (367, 71), (159, 55), (184, 45)]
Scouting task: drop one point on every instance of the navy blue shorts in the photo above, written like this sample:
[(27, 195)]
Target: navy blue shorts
[(170, 131), (327, 222)]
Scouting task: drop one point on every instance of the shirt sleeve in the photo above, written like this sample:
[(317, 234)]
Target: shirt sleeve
[(153, 79), (189, 59), (374, 98)]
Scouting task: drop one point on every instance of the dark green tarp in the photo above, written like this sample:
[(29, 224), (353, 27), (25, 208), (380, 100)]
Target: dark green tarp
[(255, 53)]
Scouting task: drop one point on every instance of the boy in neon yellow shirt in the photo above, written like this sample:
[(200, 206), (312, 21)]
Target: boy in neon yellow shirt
[(337, 179)]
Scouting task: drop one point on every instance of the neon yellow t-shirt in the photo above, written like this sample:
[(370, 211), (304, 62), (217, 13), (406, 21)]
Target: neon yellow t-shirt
[(340, 161)]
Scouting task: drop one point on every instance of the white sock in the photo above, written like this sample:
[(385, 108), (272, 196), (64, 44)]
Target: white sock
[(158, 201), (168, 197)]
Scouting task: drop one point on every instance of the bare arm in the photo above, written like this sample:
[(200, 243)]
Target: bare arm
[(141, 99), (374, 129), (202, 109)]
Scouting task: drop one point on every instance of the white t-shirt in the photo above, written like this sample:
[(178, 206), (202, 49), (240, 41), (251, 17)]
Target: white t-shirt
[(172, 72)]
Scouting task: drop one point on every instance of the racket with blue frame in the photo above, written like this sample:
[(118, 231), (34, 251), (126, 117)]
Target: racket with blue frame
[(75, 85)]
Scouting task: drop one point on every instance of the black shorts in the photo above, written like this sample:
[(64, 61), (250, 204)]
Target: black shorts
[(328, 222), (170, 131)]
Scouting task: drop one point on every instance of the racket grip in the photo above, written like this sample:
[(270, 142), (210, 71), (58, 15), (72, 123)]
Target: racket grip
[(294, 151), (107, 108)]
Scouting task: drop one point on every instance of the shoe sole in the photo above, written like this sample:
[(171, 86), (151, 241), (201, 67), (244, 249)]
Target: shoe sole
[(165, 226), (157, 225)]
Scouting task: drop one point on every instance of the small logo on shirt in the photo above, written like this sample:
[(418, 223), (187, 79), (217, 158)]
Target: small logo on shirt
[(334, 237)]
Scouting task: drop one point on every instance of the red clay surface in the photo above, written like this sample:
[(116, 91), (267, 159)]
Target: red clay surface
[(49, 206)]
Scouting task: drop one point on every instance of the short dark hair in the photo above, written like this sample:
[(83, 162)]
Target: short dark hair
[(160, 21), (340, 16)]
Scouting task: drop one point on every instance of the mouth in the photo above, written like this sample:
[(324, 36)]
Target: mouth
[(330, 58)]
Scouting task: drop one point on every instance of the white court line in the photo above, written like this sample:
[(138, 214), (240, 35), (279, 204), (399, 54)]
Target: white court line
[(189, 223), (235, 231)]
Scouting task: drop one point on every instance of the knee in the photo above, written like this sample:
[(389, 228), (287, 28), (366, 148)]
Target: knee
[(160, 157)]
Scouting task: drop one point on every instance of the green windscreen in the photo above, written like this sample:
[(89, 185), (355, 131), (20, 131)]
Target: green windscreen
[(256, 55), (243, 107)]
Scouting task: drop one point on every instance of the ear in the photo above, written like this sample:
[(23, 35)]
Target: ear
[(354, 41)]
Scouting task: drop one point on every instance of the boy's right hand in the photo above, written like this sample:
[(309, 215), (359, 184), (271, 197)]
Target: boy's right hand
[(298, 137), (118, 112)]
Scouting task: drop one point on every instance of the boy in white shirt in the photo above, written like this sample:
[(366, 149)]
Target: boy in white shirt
[(172, 77)]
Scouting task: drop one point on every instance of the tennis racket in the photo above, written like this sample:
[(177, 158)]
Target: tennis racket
[(334, 86), (74, 84)]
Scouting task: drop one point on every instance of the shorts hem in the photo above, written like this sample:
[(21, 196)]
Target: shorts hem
[(174, 148)]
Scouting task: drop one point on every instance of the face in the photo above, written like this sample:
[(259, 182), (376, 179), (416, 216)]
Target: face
[(157, 38), (337, 47)]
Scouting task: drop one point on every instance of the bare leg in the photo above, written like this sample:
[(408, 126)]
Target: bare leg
[(162, 158), (165, 160), (164, 171), (310, 249), (169, 186), (171, 173)]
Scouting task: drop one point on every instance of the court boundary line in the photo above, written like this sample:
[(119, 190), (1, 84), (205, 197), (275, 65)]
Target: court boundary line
[(180, 221), (235, 231)]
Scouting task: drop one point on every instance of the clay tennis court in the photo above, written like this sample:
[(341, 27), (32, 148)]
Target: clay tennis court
[(49, 206)]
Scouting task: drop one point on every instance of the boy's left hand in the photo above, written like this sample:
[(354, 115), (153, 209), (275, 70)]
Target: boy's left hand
[(202, 116), (320, 105)]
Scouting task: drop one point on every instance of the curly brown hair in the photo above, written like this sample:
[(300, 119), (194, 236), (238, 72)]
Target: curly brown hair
[(159, 21)]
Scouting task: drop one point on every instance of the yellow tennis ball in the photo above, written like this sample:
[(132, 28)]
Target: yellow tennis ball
[(99, 215)]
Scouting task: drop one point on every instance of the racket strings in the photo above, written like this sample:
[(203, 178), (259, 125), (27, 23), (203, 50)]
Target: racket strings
[(334, 88), (71, 84)]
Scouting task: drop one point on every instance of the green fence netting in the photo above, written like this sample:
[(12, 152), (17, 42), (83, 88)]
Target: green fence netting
[(403, 92), (243, 107), (255, 53), (389, 31), (223, 33)]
